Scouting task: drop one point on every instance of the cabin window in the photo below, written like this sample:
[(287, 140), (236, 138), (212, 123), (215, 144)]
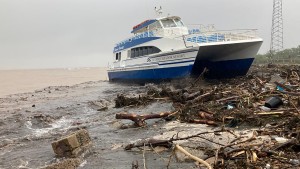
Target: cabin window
[(168, 23), (150, 49), (145, 51), (136, 53), (178, 22), (117, 56), (142, 51), (155, 25), (156, 50), (132, 53), (129, 53)]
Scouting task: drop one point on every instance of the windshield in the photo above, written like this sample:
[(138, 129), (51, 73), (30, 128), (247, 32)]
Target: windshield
[(167, 23), (178, 22), (155, 25)]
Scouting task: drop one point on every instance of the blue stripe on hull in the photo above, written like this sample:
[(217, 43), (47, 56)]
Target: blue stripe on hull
[(220, 69), (223, 69), (152, 74)]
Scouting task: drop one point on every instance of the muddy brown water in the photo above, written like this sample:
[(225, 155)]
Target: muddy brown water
[(19, 81), (29, 122)]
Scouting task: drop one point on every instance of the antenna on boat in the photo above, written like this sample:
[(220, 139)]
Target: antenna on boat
[(158, 11)]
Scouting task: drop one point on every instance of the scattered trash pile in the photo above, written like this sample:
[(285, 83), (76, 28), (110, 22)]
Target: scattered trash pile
[(265, 103)]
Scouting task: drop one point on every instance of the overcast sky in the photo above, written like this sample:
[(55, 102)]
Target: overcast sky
[(82, 33)]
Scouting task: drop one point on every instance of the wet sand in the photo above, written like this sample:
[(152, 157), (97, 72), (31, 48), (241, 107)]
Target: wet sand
[(19, 81)]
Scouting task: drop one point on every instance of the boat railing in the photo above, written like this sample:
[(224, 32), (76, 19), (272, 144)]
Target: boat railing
[(221, 35), (136, 37), (197, 28), (197, 36)]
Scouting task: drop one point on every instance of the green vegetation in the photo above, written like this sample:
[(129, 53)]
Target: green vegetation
[(286, 56)]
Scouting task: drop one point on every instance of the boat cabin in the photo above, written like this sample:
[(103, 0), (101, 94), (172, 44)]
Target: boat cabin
[(165, 23), (165, 27)]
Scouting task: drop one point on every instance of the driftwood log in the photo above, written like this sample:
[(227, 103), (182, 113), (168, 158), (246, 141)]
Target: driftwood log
[(206, 115), (179, 148), (208, 122), (192, 95), (169, 142), (148, 142), (139, 120), (201, 97)]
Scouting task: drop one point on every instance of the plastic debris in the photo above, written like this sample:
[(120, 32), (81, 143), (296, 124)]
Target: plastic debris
[(264, 108), (280, 139), (273, 102), (295, 161), (229, 107)]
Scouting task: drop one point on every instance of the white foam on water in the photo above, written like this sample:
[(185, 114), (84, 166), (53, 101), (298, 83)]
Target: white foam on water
[(24, 164), (62, 124), (28, 124), (4, 151), (83, 163)]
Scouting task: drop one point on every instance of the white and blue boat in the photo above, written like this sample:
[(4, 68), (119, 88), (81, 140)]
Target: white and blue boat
[(164, 48)]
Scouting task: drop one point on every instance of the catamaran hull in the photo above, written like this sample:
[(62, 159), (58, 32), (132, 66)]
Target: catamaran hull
[(222, 60), (226, 60)]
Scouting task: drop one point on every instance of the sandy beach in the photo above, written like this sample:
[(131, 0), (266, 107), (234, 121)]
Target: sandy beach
[(20, 81)]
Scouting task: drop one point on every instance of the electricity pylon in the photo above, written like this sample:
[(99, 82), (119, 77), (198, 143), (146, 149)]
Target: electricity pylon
[(277, 28)]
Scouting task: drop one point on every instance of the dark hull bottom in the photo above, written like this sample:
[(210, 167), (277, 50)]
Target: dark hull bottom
[(152, 74), (220, 69), (223, 69)]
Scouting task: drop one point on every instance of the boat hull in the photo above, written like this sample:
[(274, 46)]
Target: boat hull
[(222, 60), (157, 74), (226, 60), (222, 69)]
